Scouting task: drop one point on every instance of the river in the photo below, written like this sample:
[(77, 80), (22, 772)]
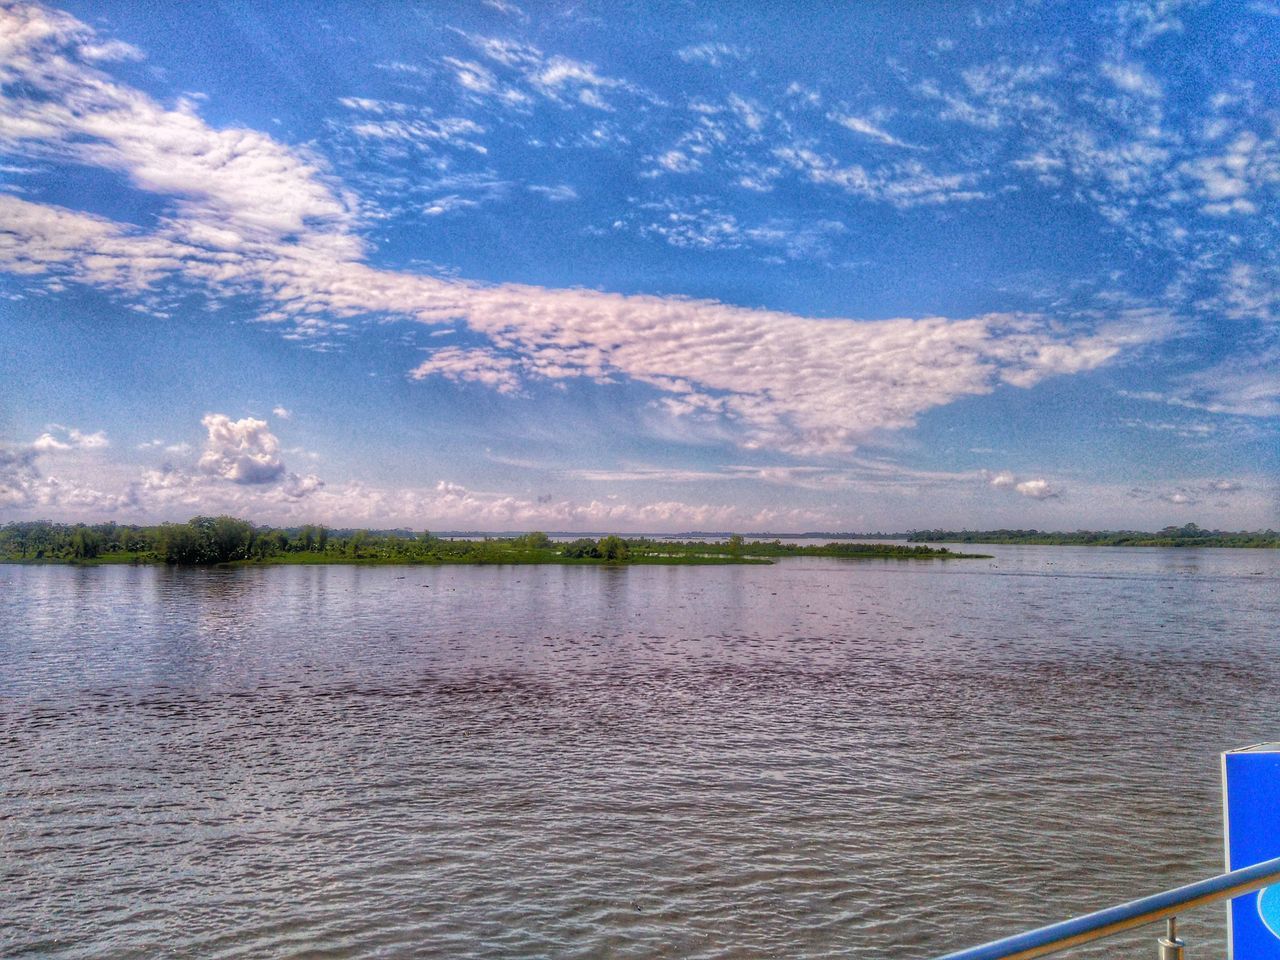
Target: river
[(818, 758)]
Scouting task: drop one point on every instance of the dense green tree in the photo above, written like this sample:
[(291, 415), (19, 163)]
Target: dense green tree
[(356, 543), (229, 539), (581, 548), (613, 548), (179, 543), (85, 543)]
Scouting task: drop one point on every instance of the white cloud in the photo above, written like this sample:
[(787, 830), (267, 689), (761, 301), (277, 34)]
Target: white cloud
[(1248, 386), (448, 204), (507, 7), (446, 504), (282, 412), (868, 129), (1224, 209), (557, 194), (697, 229), (788, 381), (18, 476), (712, 54), (677, 161), (471, 366), (904, 184), (174, 448), (295, 487), (529, 73), (1225, 181), (176, 492), (451, 131), (110, 50), (242, 451), (59, 438), (243, 178), (1245, 386), (379, 108), (254, 217), (47, 443), (1037, 489), (1131, 78), (749, 112)]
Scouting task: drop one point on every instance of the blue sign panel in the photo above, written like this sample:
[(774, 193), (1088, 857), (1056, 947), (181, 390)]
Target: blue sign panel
[(1251, 815)]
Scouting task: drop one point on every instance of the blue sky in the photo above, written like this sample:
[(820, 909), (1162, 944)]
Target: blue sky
[(575, 266)]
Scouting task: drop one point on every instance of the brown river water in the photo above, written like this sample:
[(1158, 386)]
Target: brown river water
[(820, 758)]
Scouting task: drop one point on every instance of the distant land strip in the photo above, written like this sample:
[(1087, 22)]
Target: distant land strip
[(207, 541), (1189, 535)]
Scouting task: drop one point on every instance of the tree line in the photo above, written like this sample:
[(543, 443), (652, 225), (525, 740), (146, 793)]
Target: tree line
[(1188, 535), (204, 541)]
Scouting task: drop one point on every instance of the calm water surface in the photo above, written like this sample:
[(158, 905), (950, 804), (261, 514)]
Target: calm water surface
[(816, 759)]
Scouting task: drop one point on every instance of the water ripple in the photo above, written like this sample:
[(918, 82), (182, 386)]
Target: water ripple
[(809, 760)]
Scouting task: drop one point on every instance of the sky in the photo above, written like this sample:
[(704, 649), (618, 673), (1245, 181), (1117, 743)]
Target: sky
[(653, 266)]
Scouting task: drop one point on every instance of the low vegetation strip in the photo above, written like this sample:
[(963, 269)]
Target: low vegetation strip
[(1188, 535), (205, 541)]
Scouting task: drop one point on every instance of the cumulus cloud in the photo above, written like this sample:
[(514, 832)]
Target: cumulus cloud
[(1036, 488), (18, 475), (1003, 479), (172, 492), (24, 488), (297, 488), (282, 413), (242, 451), (178, 491), (58, 438)]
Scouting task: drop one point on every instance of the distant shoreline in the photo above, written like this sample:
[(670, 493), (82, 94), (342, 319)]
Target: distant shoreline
[(228, 541), (642, 560), (1188, 535), (116, 560)]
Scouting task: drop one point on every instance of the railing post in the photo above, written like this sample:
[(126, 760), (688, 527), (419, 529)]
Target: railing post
[(1171, 948)]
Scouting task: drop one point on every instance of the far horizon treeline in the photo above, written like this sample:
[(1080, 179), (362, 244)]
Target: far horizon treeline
[(204, 541), (1187, 535)]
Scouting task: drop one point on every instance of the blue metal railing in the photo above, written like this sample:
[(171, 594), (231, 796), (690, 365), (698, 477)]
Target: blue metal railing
[(1104, 923)]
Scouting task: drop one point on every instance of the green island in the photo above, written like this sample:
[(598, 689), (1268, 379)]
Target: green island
[(1188, 535), (207, 541)]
